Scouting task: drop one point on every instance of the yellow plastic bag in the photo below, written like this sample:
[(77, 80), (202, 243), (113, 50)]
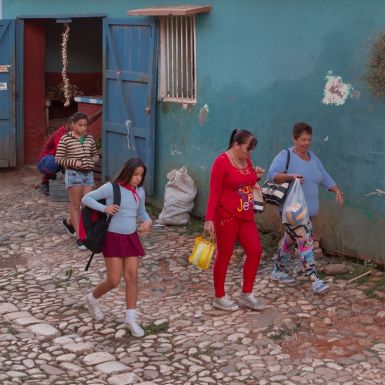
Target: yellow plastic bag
[(202, 253)]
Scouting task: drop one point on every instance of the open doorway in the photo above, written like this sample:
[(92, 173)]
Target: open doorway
[(43, 97), (115, 58)]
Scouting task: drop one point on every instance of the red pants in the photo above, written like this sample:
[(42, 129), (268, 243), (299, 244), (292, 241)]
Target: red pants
[(228, 230)]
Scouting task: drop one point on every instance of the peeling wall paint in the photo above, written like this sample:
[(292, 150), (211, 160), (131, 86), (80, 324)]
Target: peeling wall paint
[(377, 191), (203, 114), (176, 149), (336, 92)]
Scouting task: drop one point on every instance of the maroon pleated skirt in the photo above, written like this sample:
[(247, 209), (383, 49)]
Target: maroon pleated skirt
[(122, 245)]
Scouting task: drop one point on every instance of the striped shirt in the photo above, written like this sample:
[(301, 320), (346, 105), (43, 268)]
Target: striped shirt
[(70, 150)]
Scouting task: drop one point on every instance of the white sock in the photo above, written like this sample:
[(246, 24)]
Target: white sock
[(92, 299), (130, 315)]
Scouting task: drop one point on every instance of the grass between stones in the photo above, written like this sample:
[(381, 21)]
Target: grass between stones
[(269, 242), (153, 328), (285, 332), (374, 283), (375, 289), (152, 210), (357, 268)]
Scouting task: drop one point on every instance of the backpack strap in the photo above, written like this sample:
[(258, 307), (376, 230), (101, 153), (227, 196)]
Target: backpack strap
[(117, 194), (89, 262), (287, 161), (116, 199)]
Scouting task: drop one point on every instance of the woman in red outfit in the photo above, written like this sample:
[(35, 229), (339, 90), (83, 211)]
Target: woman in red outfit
[(230, 217)]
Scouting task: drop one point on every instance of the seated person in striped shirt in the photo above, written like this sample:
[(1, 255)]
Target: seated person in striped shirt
[(77, 153)]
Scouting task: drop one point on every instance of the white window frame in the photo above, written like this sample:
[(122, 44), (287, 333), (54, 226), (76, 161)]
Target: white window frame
[(177, 80)]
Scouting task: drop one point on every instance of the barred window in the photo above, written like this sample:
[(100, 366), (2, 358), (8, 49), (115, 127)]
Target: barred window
[(177, 66)]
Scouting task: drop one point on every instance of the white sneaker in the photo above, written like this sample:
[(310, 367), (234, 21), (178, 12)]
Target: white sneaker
[(135, 329), (225, 303), (248, 300), (281, 276), (319, 286), (95, 311)]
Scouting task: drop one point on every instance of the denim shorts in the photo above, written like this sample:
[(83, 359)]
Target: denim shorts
[(79, 178)]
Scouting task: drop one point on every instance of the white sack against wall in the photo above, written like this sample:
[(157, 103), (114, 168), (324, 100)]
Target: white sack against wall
[(179, 195)]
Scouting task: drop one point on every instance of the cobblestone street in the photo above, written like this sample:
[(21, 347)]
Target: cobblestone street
[(48, 337)]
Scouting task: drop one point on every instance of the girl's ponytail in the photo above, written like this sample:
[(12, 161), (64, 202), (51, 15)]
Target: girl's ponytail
[(232, 137), (241, 137)]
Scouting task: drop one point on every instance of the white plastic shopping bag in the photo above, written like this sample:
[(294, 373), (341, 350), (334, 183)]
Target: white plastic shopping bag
[(295, 211)]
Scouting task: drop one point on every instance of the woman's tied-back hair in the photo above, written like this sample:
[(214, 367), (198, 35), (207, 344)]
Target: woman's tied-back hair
[(241, 137), (77, 116), (301, 127), (128, 169)]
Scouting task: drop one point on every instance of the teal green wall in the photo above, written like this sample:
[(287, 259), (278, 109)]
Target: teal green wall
[(261, 65)]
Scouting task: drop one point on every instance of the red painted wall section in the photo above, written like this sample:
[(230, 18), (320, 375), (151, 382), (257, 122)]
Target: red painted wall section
[(34, 90)]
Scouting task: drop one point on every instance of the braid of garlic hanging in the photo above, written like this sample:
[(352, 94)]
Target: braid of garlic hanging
[(64, 56)]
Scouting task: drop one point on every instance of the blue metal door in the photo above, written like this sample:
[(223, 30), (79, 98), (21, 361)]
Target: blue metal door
[(7, 94), (129, 55)]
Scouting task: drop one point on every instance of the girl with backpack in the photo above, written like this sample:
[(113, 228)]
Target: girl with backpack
[(122, 247)]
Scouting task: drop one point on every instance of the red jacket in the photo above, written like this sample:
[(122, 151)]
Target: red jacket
[(231, 188), (53, 141)]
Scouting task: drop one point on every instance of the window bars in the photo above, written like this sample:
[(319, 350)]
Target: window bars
[(177, 71)]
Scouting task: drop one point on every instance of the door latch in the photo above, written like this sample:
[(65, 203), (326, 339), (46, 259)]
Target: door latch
[(148, 110), (129, 124)]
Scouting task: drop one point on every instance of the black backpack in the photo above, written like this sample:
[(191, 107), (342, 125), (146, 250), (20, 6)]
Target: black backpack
[(94, 224)]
